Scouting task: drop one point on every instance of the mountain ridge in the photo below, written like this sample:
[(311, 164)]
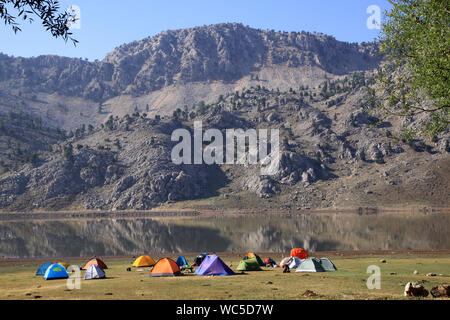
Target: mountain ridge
[(194, 64)]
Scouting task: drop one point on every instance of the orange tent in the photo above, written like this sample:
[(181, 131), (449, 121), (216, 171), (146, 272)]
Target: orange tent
[(250, 255), (299, 253), (97, 262), (144, 261), (165, 268)]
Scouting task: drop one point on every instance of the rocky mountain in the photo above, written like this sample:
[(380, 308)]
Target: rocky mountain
[(24, 139), (173, 69), (332, 154), (116, 168), (336, 150)]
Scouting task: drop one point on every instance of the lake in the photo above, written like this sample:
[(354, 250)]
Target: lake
[(122, 236)]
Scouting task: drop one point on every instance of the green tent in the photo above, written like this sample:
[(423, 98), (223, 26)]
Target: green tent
[(310, 265), (249, 265), (252, 255), (327, 264)]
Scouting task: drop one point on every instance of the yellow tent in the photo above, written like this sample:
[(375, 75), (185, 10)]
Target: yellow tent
[(144, 261)]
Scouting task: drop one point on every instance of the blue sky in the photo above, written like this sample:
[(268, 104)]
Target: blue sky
[(106, 24)]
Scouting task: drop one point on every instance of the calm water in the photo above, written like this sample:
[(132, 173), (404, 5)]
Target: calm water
[(118, 237)]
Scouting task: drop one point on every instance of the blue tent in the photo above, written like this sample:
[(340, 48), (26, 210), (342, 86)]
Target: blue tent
[(94, 272), (43, 268), (213, 266), (181, 261), (55, 271)]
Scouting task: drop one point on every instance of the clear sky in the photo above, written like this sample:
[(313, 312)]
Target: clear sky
[(106, 24)]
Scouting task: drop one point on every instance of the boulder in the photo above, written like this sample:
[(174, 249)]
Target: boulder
[(415, 289), (264, 187), (309, 293), (440, 291)]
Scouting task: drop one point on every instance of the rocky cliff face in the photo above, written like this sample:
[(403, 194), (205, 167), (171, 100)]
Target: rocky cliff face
[(228, 52), (224, 52), (54, 74), (172, 69)]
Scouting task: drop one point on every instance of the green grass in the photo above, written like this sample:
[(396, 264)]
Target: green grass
[(17, 281)]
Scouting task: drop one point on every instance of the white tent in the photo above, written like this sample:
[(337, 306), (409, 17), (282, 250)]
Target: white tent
[(310, 265), (291, 262), (294, 263), (94, 272)]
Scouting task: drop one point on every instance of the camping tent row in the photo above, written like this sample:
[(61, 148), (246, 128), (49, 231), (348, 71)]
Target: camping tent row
[(309, 265), (211, 265), (57, 271), (147, 261), (166, 267), (94, 270)]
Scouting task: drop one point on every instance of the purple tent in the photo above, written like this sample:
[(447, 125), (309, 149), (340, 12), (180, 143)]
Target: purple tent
[(213, 266)]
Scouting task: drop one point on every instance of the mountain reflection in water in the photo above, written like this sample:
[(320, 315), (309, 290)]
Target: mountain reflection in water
[(321, 232)]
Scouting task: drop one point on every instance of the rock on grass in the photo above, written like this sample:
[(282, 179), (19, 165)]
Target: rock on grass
[(440, 291), (309, 293), (415, 289)]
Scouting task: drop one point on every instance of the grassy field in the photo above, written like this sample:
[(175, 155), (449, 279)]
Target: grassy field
[(17, 280)]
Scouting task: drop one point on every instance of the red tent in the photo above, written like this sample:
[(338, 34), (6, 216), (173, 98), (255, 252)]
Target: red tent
[(299, 253)]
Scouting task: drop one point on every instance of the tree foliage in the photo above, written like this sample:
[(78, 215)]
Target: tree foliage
[(46, 10), (416, 42)]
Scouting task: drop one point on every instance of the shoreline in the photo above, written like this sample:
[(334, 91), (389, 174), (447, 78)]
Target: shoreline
[(202, 213), (341, 254)]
